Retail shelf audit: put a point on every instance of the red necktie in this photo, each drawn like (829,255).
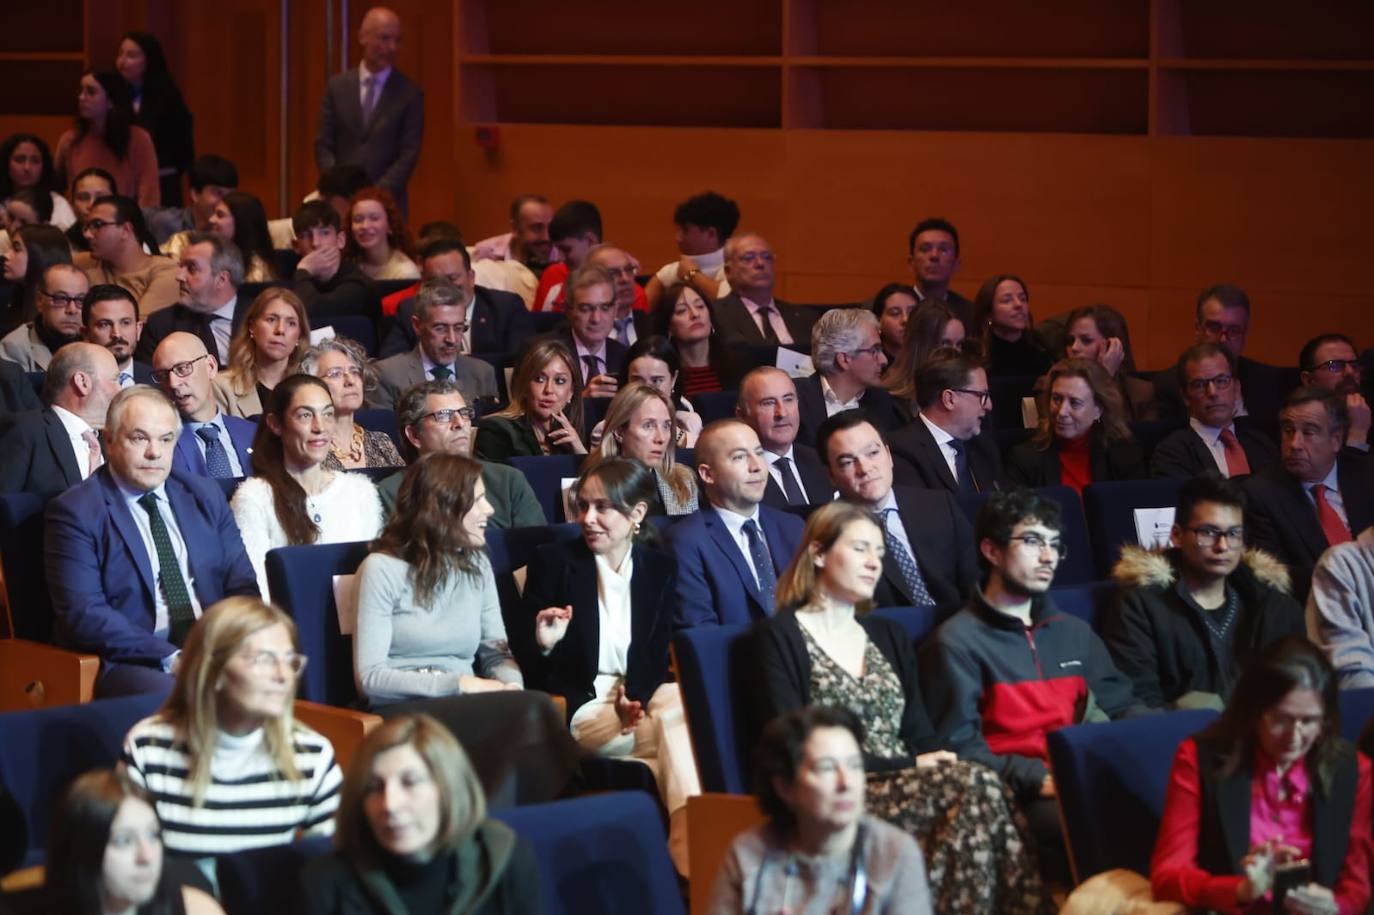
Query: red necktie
(1332,525)
(1236,462)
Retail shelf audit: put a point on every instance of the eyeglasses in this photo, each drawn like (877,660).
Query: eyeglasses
(753,257)
(984,397)
(1037,544)
(62,300)
(335,374)
(875,351)
(95,225)
(271,660)
(1224,331)
(1335,366)
(457,329)
(445,417)
(1207,536)
(1220,382)
(181,370)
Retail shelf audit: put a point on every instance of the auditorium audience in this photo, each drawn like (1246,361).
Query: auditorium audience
(730,553)
(1081,436)
(161,110)
(51,450)
(945,446)
(750,314)
(27,163)
(591,317)
(378,242)
(32,250)
(328,284)
(343,366)
(1217,438)
(930,327)
(1269,783)
(574,230)
(105,136)
(1329,361)
(1099,332)
(928,558)
(1002,319)
(702,223)
(435,419)
(104,854)
(810,784)
(706,362)
(293,496)
(545,413)
(429,618)
(88,186)
(211,444)
(847,349)
(1317,496)
(822,648)
(60,297)
(267,347)
(892,306)
(1187,619)
(640,425)
(228,766)
(1009,667)
(1340,609)
(440,321)
(134,553)
(212,178)
(110,319)
(933,252)
(120,245)
(412,834)
(514,261)
(653,361)
(768,405)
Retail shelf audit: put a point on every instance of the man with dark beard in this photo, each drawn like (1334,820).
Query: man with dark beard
(110,319)
(1330,362)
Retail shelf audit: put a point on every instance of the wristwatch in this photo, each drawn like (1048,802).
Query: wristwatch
(691,273)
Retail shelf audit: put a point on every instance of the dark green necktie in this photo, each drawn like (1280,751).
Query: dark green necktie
(179,612)
(441,372)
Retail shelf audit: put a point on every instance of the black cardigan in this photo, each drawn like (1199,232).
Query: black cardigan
(1026,465)
(785,671)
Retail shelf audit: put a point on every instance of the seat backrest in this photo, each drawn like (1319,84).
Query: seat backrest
(712,665)
(546,321)
(545,473)
(1079,568)
(1007,393)
(380,421)
(917,621)
(1083,601)
(21,557)
(1110,509)
(266,879)
(1111,779)
(512,549)
(714,405)
(606,853)
(1357,708)
(301,579)
(358,328)
(42,750)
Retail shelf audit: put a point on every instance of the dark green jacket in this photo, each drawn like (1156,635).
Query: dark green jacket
(512,500)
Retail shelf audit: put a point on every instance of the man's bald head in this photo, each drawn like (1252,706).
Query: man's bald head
(82,378)
(178,346)
(713,439)
(380,36)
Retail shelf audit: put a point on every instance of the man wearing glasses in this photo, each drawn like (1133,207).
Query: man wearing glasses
(1217,439)
(750,314)
(591,318)
(211,444)
(435,419)
(944,447)
(848,352)
(117,236)
(1331,363)
(58,322)
(1009,667)
(440,323)
(1188,618)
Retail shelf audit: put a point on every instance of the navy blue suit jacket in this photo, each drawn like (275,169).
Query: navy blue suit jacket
(189,459)
(102,579)
(715,585)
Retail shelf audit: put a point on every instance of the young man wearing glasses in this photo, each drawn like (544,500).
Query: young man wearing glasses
(123,252)
(945,447)
(31,346)
(847,348)
(1187,618)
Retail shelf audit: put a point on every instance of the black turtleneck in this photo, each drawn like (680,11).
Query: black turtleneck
(424,888)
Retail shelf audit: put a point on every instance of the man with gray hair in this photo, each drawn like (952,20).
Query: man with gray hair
(440,321)
(209,276)
(847,349)
(749,314)
(135,553)
(55,448)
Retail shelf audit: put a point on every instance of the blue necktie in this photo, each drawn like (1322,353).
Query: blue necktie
(915,584)
(964,481)
(763,565)
(216,461)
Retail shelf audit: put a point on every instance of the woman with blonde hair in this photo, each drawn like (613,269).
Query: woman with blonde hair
(640,424)
(268,346)
(1082,436)
(227,765)
(413,835)
(545,412)
(822,647)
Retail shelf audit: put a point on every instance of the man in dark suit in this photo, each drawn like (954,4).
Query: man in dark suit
(933,252)
(1330,361)
(631,307)
(498,322)
(110,319)
(930,559)
(1318,495)
(211,444)
(439,322)
(945,447)
(137,552)
(374,116)
(210,274)
(730,553)
(749,314)
(16,391)
(591,317)
(329,285)
(796,474)
(53,449)
(1216,439)
(847,348)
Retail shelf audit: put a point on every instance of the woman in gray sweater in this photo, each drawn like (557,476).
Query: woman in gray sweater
(429,621)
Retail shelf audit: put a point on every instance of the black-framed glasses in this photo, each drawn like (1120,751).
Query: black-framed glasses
(1036,544)
(1221,382)
(445,417)
(95,224)
(63,300)
(1207,536)
(984,397)
(875,351)
(181,369)
(1335,366)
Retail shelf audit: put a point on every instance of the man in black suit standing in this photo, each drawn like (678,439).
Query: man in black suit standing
(1318,496)
(768,405)
(374,116)
(209,275)
(749,314)
(53,449)
(930,558)
(944,446)
(847,348)
(933,252)
(110,319)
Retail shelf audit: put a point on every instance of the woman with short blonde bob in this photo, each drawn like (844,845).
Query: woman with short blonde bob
(227,765)
(545,412)
(640,424)
(413,835)
(267,347)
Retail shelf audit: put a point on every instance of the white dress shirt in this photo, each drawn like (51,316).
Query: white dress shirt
(943,439)
(1211,437)
(162,624)
(777,473)
(893,522)
(833,404)
(734,523)
(222,326)
(76,427)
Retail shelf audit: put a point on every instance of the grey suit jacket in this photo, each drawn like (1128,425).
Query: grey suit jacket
(475,378)
(388,146)
(23,347)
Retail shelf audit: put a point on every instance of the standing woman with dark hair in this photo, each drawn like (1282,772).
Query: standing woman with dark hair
(33,249)
(161,110)
(106,137)
(240,218)
(26,161)
(1002,319)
